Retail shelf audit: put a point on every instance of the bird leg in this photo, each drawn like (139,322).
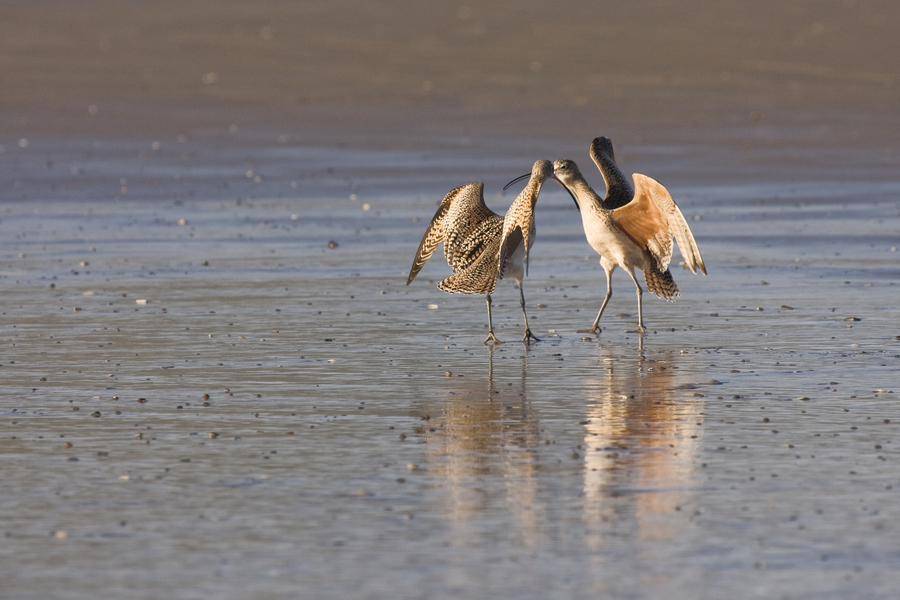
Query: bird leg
(490,337)
(608,268)
(640,327)
(528,334)
(595,327)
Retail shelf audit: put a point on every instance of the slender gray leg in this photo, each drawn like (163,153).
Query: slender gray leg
(640,327)
(528,333)
(608,268)
(490,337)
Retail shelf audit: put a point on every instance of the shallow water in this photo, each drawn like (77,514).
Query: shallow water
(359,440)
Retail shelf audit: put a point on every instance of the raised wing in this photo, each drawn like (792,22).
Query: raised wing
(677,225)
(511,242)
(518,224)
(518,227)
(436,232)
(434,235)
(644,222)
(652,219)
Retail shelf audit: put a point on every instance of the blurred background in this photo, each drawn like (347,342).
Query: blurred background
(404,72)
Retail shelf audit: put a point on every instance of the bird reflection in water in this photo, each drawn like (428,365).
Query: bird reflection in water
(482,448)
(641,433)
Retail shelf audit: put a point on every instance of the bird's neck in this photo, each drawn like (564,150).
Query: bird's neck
(618,189)
(530,193)
(584,192)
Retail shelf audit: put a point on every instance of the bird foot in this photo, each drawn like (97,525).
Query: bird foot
(595,331)
(491,338)
(529,336)
(640,329)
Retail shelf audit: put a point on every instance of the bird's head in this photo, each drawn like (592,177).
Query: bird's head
(602,147)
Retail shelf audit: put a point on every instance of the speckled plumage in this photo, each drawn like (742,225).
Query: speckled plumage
(470,232)
(476,241)
(631,228)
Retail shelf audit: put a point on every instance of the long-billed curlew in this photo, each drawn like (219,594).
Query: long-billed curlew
(480,245)
(630,228)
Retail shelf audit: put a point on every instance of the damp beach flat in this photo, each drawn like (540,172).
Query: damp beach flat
(215,382)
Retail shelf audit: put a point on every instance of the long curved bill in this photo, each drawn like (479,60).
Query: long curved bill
(516,180)
(527,175)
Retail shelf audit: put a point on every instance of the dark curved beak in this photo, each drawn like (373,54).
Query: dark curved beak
(527,175)
(516,180)
(565,187)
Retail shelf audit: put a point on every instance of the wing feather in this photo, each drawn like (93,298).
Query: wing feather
(662,220)
(518,224)
(435,232)
(509,244)
(479,276)
(644,222)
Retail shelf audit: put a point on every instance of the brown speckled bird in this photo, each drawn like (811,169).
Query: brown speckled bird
(630,228)
(475,245)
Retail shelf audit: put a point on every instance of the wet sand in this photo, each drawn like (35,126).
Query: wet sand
(201,398)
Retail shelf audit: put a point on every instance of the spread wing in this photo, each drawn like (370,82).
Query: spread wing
(518,229)
(508,246)
(652,219)
(435,233)
(678,226)
(518,226)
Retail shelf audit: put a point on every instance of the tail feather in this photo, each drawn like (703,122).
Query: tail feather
(468,282)
(660,283)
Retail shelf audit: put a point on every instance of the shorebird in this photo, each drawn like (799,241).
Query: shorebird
(482,246)
(630,228)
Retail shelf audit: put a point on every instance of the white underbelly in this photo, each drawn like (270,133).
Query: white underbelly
(610,242)
(515,264)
